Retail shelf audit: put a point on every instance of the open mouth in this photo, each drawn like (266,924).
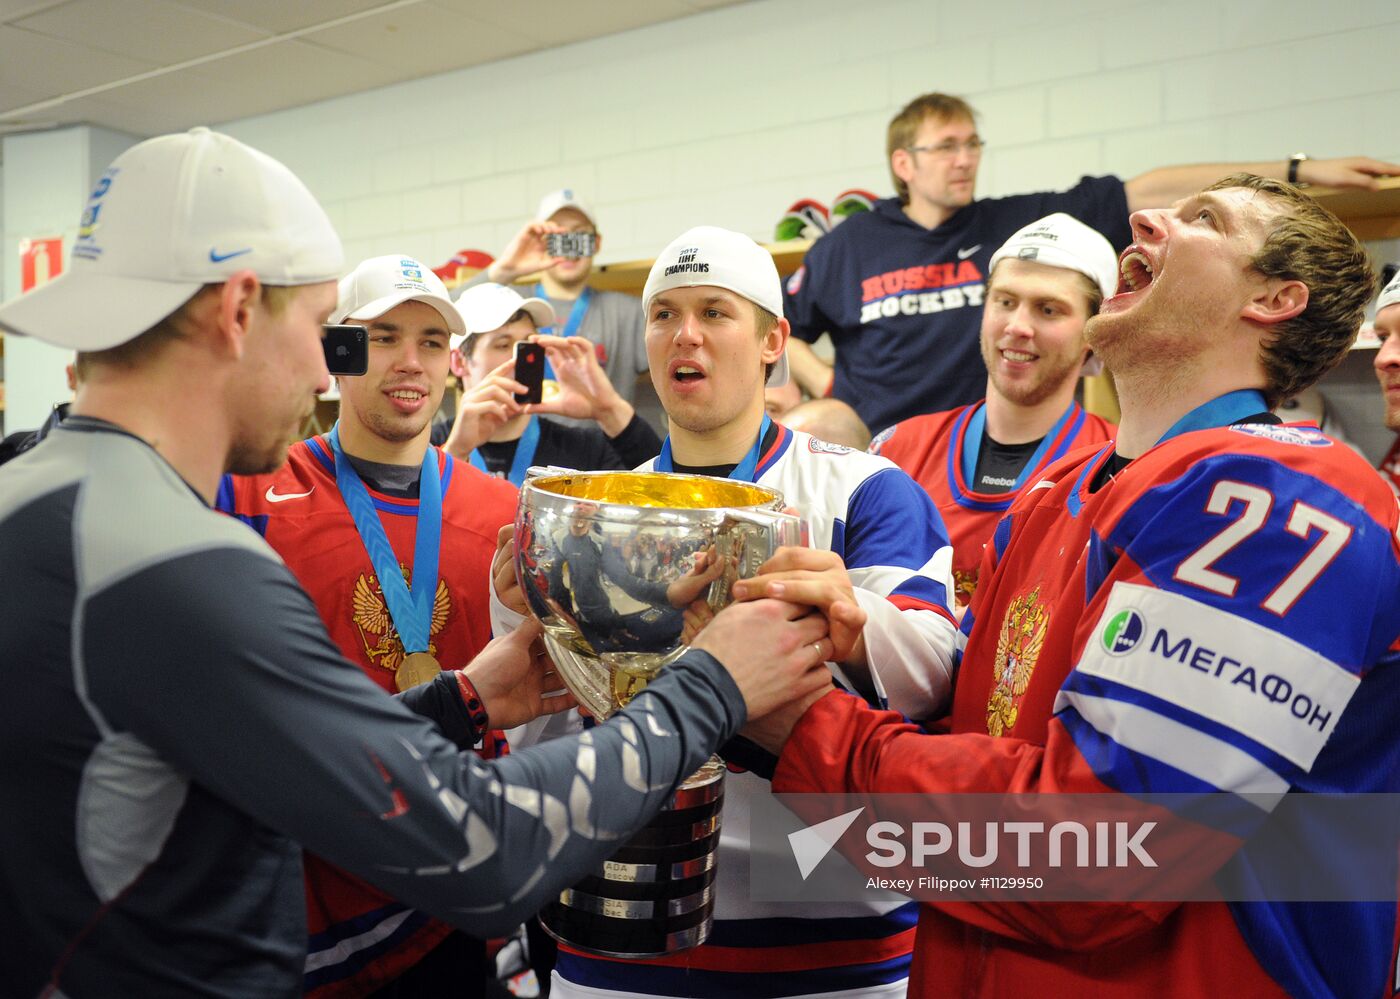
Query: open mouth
(686,374)
(1134,272)
(1018,356)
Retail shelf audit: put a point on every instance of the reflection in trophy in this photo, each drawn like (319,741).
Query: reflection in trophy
(609,562)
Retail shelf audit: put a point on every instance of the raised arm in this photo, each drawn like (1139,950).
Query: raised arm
(1167,185)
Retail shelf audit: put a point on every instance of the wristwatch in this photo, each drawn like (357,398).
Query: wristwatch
(1293,162)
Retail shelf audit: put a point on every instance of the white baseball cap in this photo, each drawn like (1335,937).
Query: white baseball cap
(1390,294)
(169,216)
(563,198)
(708,256)
(383,283)
(489,306)
(1060,240)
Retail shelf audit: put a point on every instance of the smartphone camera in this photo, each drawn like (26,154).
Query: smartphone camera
(346,349)
(529,371)
(571,244)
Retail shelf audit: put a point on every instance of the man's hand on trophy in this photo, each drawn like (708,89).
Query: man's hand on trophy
(817,579)
(516,679)
(503,578)
(775,651)
(772,731)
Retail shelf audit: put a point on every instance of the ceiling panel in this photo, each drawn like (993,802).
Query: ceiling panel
(265,77)
(52,48)
(424,38)
(168,103)
(52,66)
(558,22)
(19,97)
(280,16)
(151,30)
(10,9)
(134,119)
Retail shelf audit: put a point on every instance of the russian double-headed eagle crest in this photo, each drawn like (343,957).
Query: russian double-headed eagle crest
(371,617)
(1018,648)
(964,584)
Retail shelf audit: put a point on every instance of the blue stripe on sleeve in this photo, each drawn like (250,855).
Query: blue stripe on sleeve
(890,520)
(1099,687)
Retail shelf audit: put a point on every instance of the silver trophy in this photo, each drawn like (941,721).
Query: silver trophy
(610,562)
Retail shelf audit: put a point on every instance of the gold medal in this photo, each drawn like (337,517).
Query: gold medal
(549,388)
(416,668)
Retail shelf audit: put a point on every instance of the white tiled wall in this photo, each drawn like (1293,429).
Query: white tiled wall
(729,116)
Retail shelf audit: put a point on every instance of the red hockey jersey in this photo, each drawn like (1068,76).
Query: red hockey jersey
(360,938)
(1120,641)
(939,451)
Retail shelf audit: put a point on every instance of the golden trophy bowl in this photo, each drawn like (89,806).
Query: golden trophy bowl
(607,562)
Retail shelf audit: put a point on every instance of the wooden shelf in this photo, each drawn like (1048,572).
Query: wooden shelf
(630,276)
(1369,214)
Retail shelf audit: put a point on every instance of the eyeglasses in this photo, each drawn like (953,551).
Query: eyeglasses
(949,149)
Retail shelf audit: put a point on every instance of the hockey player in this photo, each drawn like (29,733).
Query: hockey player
(1046,281)
(505,438)
(714,335)
(1270,547)
(899,288)
(361,938)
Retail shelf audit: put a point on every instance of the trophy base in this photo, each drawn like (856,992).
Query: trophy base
(655,896)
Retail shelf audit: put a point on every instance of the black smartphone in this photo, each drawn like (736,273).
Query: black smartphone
(529,371)
(347,349)
(571,244)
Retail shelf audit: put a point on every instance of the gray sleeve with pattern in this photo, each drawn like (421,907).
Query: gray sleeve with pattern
(251,698)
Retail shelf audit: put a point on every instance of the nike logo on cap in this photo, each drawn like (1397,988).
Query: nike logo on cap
(964,254)
(215,257)
(273,497)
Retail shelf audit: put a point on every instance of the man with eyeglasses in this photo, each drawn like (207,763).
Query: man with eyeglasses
(900,288)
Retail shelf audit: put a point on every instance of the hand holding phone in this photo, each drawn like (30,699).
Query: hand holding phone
(529,371)
(346,348)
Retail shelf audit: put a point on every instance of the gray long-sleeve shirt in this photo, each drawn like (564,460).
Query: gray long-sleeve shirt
(177,724)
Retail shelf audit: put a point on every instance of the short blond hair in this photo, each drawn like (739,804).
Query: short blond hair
(904,127)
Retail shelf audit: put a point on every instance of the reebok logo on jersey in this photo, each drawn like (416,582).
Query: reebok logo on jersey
(969,251)
(275,497)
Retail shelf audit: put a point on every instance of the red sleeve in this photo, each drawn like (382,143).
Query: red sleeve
(843,746)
